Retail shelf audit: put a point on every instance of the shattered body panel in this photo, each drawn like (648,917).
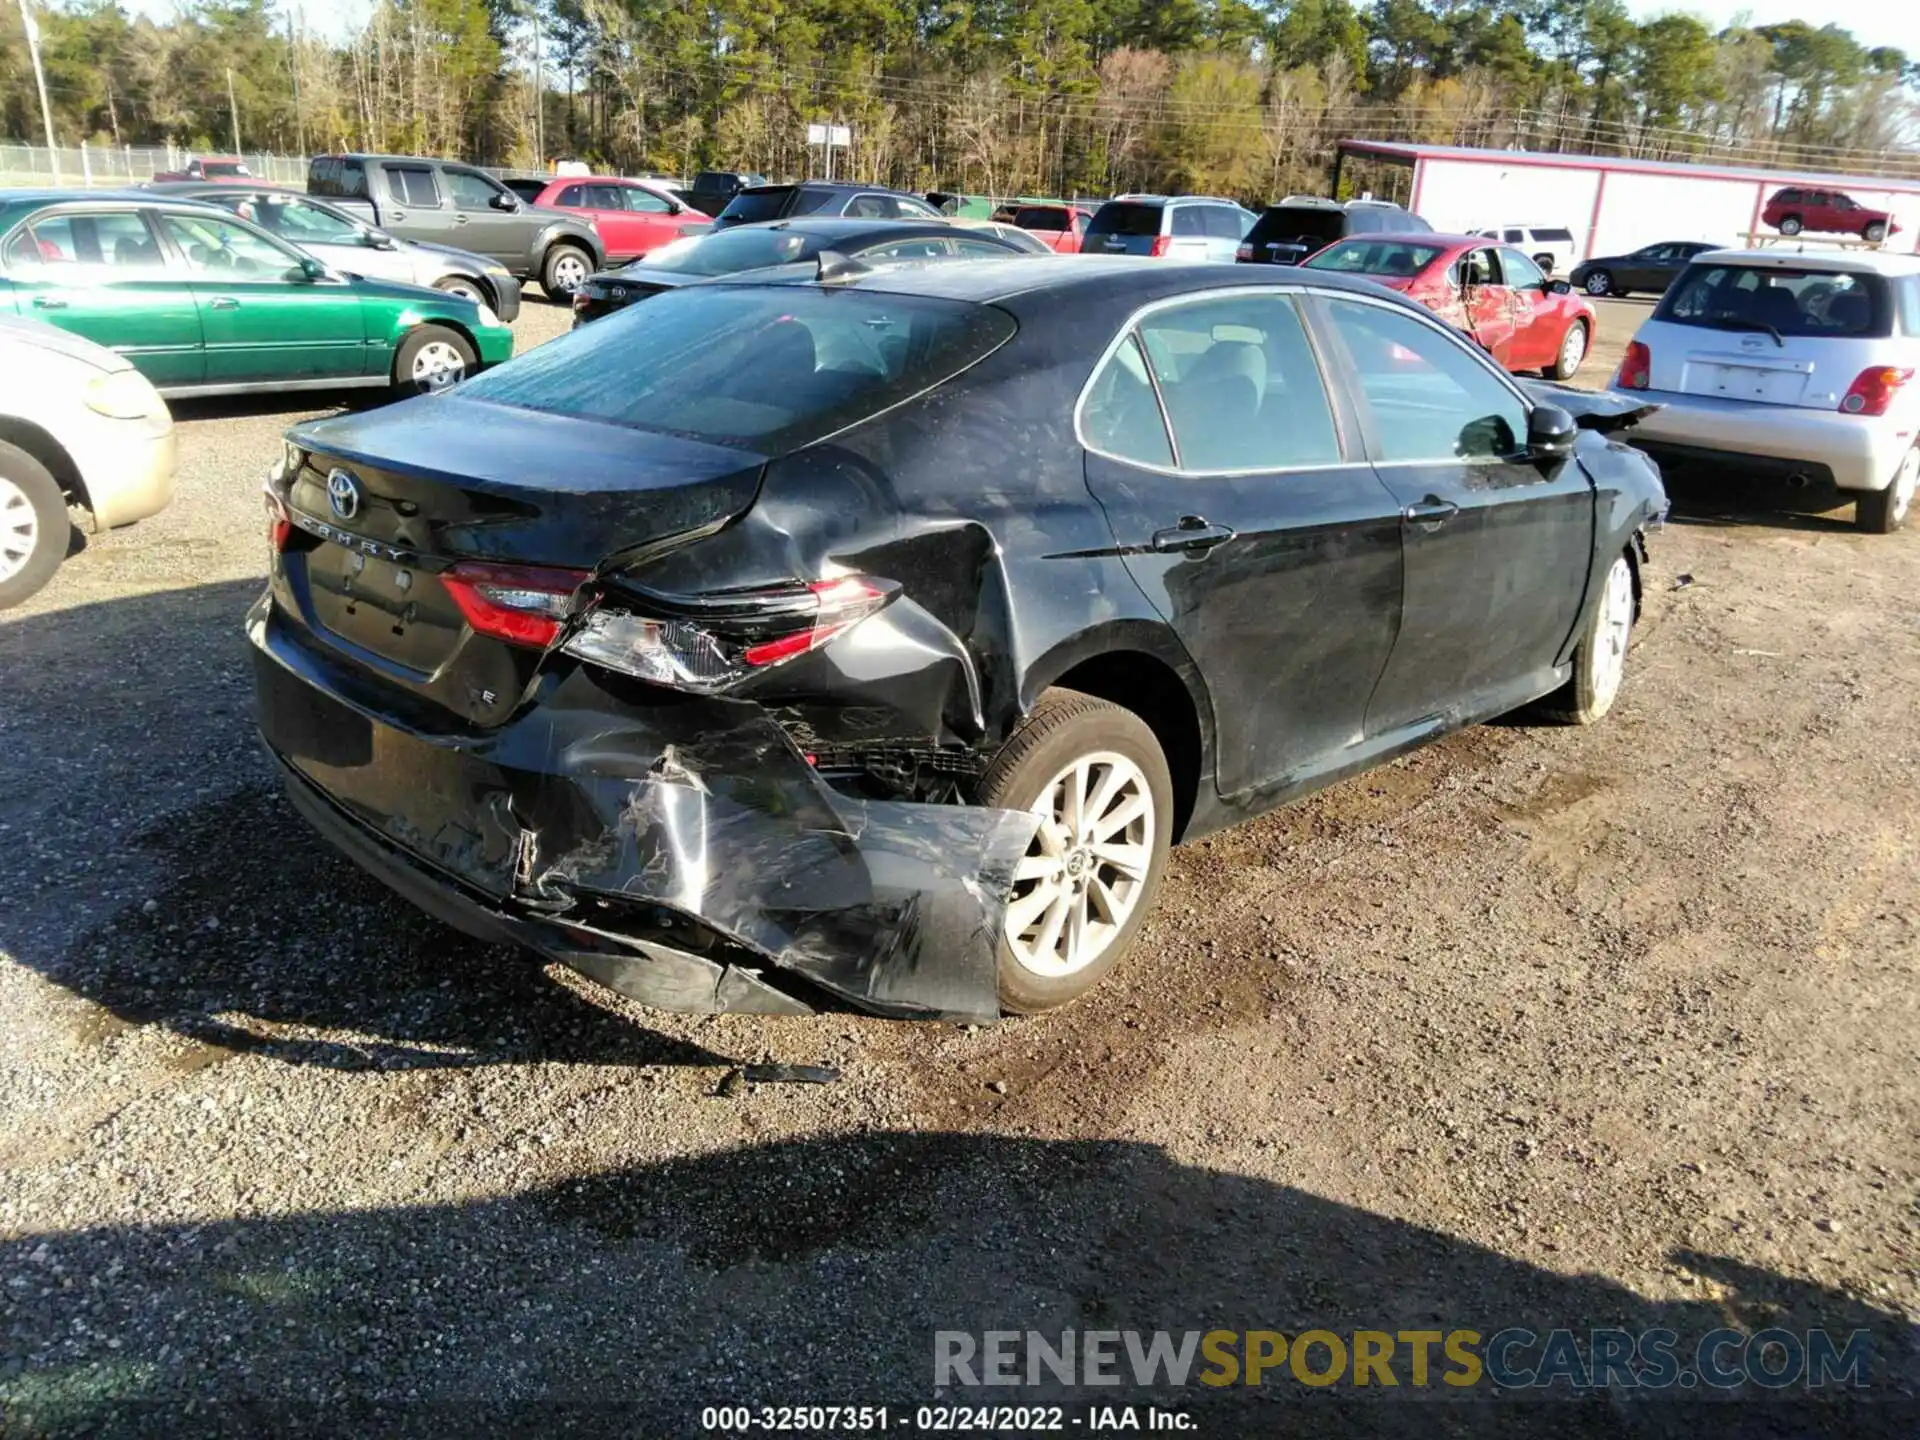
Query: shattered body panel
(570,824)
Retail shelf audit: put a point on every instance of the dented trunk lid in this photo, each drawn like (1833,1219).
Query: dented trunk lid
(386,503)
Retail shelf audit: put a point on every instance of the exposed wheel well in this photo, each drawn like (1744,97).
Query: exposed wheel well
(1150,689)
(27,436)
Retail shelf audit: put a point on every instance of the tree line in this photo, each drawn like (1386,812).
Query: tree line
(1239,97)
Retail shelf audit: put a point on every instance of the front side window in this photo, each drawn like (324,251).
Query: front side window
(908,208)
(574,197)
(764,368)
(1431,398)
(1121,414)
(413,185)
(1521,273)
(1806,301)
(470,190)
(644,202)
(1477,268)
(300,221)
(217,247)
(1241,385)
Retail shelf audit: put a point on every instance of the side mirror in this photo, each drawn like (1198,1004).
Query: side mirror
(504,200)
(1551,432)
(1558,287)
(380,240)
(311,269)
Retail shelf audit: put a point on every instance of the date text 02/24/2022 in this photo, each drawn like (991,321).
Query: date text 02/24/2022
(939,1419)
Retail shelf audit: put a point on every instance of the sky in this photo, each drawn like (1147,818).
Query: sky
(1889,22)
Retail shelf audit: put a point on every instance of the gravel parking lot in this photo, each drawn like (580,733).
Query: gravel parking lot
(1539,1027)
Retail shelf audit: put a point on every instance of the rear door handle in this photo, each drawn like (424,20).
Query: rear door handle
(1431,512)
(49,302)
(1194,535)
(225,302)
(459,219)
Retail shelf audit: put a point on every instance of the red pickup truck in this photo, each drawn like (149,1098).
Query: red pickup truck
(210,167)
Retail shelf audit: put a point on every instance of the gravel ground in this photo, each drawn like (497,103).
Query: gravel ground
(1538,1027)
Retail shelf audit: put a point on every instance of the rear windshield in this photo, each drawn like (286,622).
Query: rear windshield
(1376,257)
(225,169)
(1040,217)
(725,252)
(1124,217)
(1300,224)
(1766,299)
(750,205)
(762,368)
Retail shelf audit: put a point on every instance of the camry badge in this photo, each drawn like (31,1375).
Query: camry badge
(343,493)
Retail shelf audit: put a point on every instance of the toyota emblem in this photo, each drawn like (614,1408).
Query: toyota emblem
(343,493)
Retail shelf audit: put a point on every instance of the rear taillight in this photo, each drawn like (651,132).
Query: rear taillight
(580,299)
(520,604)
(1245,252)
(279,522)
(1162,244)
(1636,368)
(712,643)
(1873,390)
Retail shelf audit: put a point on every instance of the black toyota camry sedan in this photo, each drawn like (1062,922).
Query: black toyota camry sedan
(782,243)
(868,642)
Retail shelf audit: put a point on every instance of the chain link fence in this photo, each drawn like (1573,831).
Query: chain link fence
(102,167)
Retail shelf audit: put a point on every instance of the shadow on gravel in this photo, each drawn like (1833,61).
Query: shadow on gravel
(260,931)
(817,1272)
(1702,498)
(254,930)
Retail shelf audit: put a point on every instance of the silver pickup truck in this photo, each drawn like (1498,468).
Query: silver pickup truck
(442,202)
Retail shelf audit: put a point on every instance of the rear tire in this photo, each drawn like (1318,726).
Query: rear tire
(1600,282)
(1875,232)
(1600,659)
(1545,262)
(1881,512)
(431,359)
(562,270)
(1789,224)
(34,529)
(1088,880)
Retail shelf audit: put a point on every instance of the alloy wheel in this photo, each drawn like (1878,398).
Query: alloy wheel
(568,272)
(1599,283)
(1614,633)
(1086,870)
(436,366)
(19,529)
(1573,349)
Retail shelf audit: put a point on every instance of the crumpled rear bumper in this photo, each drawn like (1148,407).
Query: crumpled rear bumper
(680,851)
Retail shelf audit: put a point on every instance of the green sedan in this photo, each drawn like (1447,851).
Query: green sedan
(204,303)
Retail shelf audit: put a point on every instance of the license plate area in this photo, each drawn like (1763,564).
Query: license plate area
(401,613)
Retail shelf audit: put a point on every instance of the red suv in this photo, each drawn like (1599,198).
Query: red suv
(1059,227)
(1826,212)
(632,216)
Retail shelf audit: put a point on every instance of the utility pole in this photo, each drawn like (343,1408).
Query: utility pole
(233,108)
(40,79)
(293,64)
(539,94)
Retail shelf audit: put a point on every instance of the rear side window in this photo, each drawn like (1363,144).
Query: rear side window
(1040,217)
(1241,386)
(353,179)
(1190,220)
(413,185)
(763,368)
(1224,224)
(1121,414)
(1765,299)
(1553,237)
(814,202)
(1298,225)
(323,174)
(749,206)
(572,195)
(1125,217)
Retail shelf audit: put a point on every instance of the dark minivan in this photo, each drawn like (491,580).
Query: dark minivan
(822,197)
(1301,225)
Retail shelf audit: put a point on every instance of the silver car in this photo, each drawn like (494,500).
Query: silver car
(348,243)
(1178,227)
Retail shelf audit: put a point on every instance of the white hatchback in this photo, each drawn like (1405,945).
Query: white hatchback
(1788,365)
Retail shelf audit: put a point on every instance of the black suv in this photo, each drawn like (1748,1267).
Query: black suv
(823,197)
(712,189)
(1287,233)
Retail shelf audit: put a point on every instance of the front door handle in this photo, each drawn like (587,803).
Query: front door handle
(396,214)
(49,302)
(1194,535)
(225,302)
(459,219)
(1431,512)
